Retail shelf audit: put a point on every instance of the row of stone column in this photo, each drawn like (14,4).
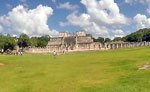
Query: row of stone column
(116,45)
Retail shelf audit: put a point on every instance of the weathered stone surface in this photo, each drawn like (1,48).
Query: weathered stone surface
(66,43)
(81,42)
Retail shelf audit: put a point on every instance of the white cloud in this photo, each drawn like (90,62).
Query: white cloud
(142,21)
(53,1)
(148,10)
(32,22)
(105,12)
(100,16)
(54,33)
(1,29)
(8,6)
(14,35)
(128,1)
(68,6)
(131,1)
(119,33)
(84,21)
(23,1)
(145,2)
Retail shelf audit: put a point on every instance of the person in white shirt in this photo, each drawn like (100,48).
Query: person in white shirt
(54,53)
(2,51)
(21,53)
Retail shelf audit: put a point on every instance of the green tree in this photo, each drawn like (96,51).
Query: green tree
(7,42)
(99,39)
(43,41)
(40,41)
(34,41)
(140,35)
(24,41)
(135,37)
(117,39)
(107,39)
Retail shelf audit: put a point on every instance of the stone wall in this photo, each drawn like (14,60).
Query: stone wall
(116,45)
(60,49)
(88,47)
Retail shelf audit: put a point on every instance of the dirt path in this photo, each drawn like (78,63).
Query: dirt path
(1,64)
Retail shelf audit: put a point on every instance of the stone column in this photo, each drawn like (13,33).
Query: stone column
(125,45)
(113,46)
(120,45)
(110,46)
(117,45)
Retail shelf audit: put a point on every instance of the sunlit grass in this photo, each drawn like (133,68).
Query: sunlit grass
(98,71)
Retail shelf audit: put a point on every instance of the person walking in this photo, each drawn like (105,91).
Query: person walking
(21,53)
(2,51)
(54,53)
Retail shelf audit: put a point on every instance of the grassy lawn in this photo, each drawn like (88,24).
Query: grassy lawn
(98,71)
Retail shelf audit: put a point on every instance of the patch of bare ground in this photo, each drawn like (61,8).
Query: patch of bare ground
(1,64)
(145,67)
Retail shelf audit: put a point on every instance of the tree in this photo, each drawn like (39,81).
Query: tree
(43,41)
(90,35)
(2,41)
(135,37)
(140,35)
(117,39)
(146,35)
(34,41)
(7,42)
(24,41)
(99,39)
(107,39)
(40,41)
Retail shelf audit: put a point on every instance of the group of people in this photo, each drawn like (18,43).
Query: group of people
(10,52)
(55,53)
(2,51)
(18,53)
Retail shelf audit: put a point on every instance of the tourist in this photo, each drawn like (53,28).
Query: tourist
(63,52)
(2,51)
(16,52)
(54,53)
(21,53)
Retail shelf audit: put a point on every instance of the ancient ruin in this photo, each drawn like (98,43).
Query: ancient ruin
(80,42)
(68,43)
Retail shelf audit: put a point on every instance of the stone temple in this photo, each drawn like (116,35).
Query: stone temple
(79,42)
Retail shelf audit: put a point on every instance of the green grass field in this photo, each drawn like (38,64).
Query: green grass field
(98,71)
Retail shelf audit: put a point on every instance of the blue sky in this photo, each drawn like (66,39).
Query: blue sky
(74,15)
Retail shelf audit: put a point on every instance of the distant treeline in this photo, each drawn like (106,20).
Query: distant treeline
(8,42)
(139,36)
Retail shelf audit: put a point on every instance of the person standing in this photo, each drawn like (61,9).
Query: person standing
(54,53)
(21,53)
(2,51)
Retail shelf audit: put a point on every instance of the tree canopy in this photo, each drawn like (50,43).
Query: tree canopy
(107,39)
(7,42)
(140,35)
(24,41)
(99,39)
(40,41)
